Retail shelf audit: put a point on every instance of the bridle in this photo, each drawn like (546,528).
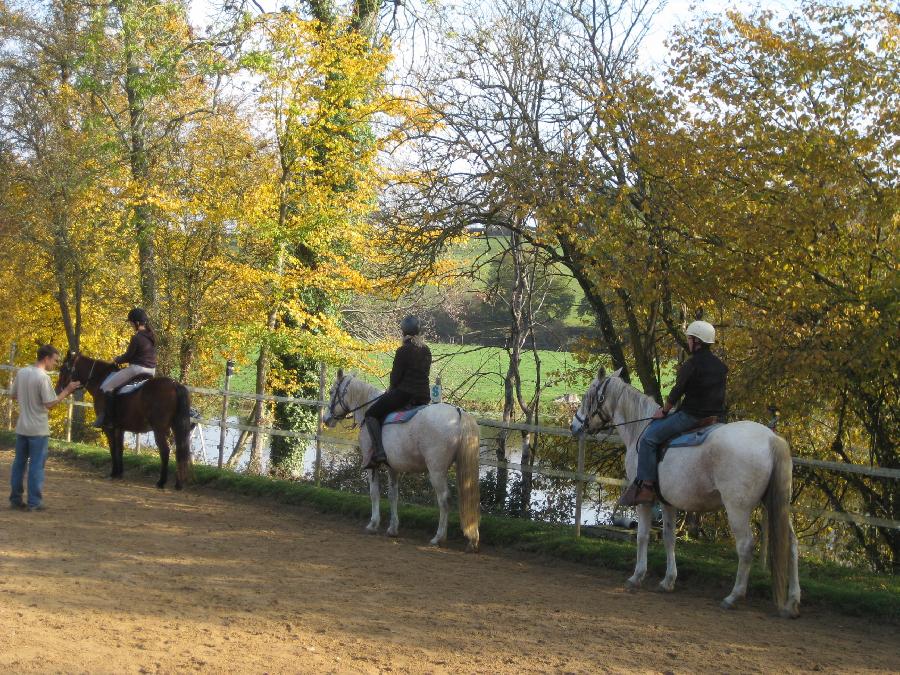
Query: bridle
(90,373)
(595,407)
(338,398)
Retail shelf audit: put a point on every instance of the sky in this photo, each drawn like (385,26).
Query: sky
(674,13)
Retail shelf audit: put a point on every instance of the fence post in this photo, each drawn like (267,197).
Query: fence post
(9,403)
(318,469)
(229,370)
(579,486)
(437,394)
(70,409)
(137,443)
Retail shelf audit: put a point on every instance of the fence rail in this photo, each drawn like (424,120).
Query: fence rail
(580,476)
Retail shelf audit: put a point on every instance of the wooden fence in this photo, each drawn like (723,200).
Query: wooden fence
(580,477)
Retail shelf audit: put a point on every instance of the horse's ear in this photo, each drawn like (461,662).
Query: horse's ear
(618,373)
(601,373)
(340,374)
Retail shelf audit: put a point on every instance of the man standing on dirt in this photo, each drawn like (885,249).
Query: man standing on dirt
(34,392)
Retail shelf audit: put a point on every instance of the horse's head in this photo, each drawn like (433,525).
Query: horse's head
(595,412)
(338,407)
(66,371)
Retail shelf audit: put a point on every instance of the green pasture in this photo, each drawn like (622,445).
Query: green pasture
(703,566)
(472,375)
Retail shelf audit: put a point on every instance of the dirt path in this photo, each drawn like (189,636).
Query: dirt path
(120,577)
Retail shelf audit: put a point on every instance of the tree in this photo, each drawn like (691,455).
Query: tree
(789,199)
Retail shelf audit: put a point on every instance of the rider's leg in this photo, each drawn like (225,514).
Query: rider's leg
(657,433)
(391,400)
(373,426)
(109,386)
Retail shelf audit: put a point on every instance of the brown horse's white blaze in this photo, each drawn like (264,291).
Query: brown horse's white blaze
(737,467)
(161,405)
(431,441)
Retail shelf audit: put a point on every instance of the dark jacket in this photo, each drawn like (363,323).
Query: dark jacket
(701,381)
(412,370)
(141,351)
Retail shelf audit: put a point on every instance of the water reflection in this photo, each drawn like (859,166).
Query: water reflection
(552,499)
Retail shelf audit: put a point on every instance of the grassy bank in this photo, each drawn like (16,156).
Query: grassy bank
(708,566)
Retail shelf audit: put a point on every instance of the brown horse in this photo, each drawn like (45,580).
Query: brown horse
(159,405)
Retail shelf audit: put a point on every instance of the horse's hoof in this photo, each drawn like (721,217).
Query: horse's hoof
(391,533)
(666,588)
(371,530)
(178,486)
(472,547)
(436,542)
(727,604)
(791,612)
(631,586)
(160,486)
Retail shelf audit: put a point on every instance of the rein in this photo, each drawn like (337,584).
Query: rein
(607,422)
(339,398)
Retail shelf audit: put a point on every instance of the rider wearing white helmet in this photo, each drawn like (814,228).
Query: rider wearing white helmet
(700,386)
(410,385)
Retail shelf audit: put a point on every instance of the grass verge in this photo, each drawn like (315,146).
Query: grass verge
(850,591)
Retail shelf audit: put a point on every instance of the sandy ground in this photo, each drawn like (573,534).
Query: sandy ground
(121,577)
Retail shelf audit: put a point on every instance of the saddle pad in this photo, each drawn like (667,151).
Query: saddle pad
(132,386)
(693,437)
(405,415)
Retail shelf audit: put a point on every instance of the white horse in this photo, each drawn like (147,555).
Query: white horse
(737,466)
(431,441)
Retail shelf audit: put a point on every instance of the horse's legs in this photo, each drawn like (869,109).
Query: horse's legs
(644,514)
(668,514)
(442,492)
(119,445)
(793,604)
(739,519)
(111,442)
(163,444)
(375,494)
(393,498)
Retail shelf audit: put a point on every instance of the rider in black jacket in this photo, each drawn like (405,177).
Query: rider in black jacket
(410,384)
(700,386)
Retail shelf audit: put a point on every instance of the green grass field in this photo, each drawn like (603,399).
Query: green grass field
(473,376)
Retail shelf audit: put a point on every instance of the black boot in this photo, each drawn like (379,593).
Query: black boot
(106,418)
(378,456)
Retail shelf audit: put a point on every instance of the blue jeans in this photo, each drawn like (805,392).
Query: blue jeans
(656,434)
(30,451)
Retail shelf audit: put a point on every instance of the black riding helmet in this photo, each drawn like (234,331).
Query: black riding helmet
(138,315)
(410,325)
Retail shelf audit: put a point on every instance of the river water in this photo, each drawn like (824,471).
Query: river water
(552,499)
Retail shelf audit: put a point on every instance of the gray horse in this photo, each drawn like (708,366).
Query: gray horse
(737,466)
(431,441)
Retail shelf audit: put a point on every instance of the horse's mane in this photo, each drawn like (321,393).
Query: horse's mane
(632,400)
(360,384)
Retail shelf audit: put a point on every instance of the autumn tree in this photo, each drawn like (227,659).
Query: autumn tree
(785,190)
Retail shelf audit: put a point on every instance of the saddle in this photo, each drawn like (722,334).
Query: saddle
(691,437)
(404,414)
(133,384)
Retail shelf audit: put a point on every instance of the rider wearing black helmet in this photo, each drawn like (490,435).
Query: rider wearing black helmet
(140,357)
(410,384)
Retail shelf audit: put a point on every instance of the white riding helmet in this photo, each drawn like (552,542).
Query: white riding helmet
(703,331)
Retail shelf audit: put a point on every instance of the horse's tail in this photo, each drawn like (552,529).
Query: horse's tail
(181,427)
(778,506)
(467,479)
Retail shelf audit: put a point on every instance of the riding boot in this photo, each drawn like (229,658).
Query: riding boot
(638,493)
(378,456)
(100,422)
(109,410)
